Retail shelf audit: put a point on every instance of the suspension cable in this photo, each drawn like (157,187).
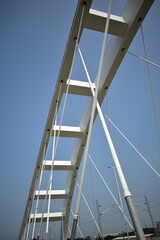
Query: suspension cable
(108,137)
(70,74)
(143,59)
(89,209)
(50,181)
(45,150)
(63,110)
(122,210)
(27,228)
(39,186)
(132,146)
(114,168)
(109,114)
(92,90)
(90,126)
(52,165)
(150,81)
(55,117)
(92,190)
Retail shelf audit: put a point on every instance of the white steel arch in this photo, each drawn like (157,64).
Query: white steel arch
(123,29)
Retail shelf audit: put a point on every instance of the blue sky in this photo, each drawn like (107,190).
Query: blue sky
(32,43)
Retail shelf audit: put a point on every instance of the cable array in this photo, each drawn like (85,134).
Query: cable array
(30,228)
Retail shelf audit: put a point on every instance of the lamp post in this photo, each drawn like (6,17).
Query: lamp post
(150,214)
(119,195)
(98,215)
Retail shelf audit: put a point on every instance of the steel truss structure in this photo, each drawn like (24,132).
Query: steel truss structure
(123,28)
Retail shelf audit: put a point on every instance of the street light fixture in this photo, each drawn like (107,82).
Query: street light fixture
(119,195)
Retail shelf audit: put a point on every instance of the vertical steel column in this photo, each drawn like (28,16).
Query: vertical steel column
(150,214)
(98,215)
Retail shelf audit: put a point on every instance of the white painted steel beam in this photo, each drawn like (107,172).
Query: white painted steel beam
(67,131)
(55,194)
(134,13)
(58,165)
(96,21)
(56,216)
(80,87)
(62,79)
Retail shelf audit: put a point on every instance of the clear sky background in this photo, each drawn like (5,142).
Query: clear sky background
(32,43)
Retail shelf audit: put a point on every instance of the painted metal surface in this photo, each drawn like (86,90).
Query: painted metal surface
(133,14)
(58,165)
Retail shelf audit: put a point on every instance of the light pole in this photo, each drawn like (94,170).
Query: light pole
(99,218)
(99,214)
(119,195)
(150,214)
